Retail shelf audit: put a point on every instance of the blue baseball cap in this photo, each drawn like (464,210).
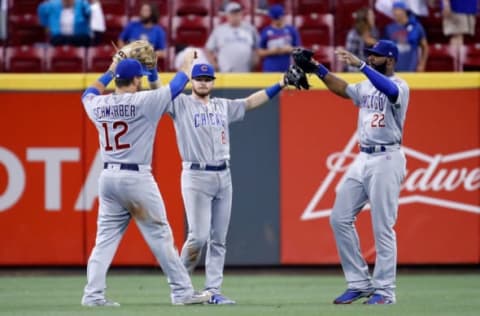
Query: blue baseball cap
(400,5)
(129,68)
(276,11)
(383,48)
(203,70)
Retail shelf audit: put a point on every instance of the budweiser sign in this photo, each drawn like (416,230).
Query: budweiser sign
(420,185)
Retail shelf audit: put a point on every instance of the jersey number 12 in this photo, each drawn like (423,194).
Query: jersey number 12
(122,128)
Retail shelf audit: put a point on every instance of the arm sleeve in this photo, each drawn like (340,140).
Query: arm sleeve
(177,84)
(382,83)
(236,109)
(211,44)
(90,91)
(403,95)
(124,36)
(43,10)
(296,41)
(155,102)
(353,91)
(159,39)
(263,39)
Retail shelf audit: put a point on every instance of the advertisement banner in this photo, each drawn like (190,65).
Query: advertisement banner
(438,220)
(49,167)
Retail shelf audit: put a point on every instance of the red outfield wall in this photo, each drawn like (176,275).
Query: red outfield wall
(438,220)
(48,182)
(49,168)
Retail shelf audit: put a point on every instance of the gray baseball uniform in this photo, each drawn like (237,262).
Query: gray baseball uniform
(234,46)
(375,176)
(203,141)
(126,125)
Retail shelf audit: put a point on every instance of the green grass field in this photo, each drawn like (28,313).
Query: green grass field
(256,294)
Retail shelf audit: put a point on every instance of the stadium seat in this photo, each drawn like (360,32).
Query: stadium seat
(24,29)
(24,59)
(324,55)
(471,60)
(115,24)
(65,59)
(162,5)
(99,58)
(315,28)
(23,6)
(191,29)
(117,7)
(304,7)
(343,11)
(188,7)
(440,58)
(433,27)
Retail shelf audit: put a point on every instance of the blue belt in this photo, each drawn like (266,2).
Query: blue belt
(373,149)
(124,166)
(197,166)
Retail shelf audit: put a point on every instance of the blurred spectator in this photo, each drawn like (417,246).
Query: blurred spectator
(277,40)
(3,19)
(231,45)
(409,35)
(458,20)
(363,35)
(146,28)
(97,22)
(67,21)
(417,7)
(180,51)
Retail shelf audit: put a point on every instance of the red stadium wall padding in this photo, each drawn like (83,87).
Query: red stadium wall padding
(438,219)
(49,168)
(48,178)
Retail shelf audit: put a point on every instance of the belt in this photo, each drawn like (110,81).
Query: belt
(197,166)
(123,166)
(376,148)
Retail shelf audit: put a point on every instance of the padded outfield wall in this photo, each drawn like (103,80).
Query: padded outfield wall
(287,159)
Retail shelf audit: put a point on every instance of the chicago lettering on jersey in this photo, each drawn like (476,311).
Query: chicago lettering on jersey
(375,102)
(209,119)
(125,111)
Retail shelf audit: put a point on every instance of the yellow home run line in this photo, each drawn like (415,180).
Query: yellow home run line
(62,82)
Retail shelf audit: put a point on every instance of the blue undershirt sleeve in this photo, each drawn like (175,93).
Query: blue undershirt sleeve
(381,82)
(177,84)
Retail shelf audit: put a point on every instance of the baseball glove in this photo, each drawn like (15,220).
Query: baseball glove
(140,50)
(303,58)
(296,77)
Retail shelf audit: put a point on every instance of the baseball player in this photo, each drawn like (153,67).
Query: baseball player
(201,125)
(376,174)
(126,122)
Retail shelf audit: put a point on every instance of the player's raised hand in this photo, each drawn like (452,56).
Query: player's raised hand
(190,56)
(347,57)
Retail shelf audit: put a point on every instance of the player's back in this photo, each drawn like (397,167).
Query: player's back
(127,123)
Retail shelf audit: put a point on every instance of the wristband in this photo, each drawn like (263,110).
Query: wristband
(153,76)
(322,71)
(362,65)
(106,78)
(273,90)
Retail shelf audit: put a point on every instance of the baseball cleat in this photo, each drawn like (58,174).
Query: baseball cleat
(378,299)
(101,302)
(219,299)
(350,296)
(196,298)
